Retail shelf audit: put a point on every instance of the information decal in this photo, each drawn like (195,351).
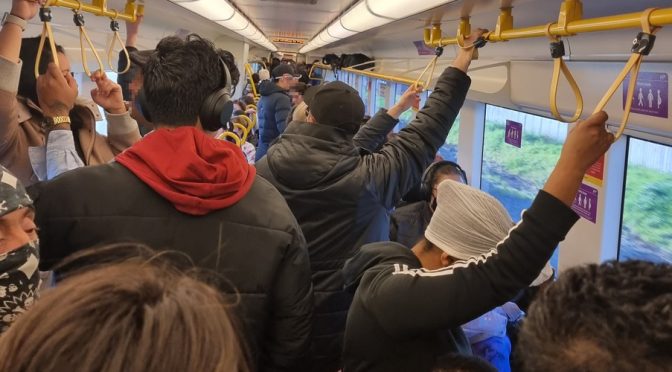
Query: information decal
(513,133)
(651,94)
(585,203)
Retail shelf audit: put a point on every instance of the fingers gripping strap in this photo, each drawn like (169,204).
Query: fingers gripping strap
(631,67)
(45,17)
(559,65)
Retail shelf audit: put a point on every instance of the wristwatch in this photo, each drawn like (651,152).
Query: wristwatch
(50,122)
(10,18)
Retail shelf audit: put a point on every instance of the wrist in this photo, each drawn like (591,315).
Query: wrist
(55,113)
(117,110)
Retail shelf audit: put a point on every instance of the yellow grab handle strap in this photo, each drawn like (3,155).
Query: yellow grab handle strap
(45,17)
(114,26)
(231,135)
(559,65)
(244,129)
(83,35)
(632,68)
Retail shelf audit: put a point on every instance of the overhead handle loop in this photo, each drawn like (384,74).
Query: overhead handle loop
(78,19)
(559,65)
(45,17)
(231,135)
(642,46)
(116,38)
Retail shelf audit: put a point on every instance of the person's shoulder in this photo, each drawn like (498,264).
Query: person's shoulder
(87,178)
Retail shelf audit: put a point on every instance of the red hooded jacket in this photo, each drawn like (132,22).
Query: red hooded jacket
(195,172)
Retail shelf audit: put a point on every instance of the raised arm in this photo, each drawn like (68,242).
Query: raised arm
(132,31)
(122,130)
(10,71)
(373,135)
(399,165)
(468,289)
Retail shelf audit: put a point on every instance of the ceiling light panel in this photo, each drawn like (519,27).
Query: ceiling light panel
(226,15)
(398,9)
(360,19)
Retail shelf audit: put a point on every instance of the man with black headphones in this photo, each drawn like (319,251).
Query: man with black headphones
(408,222)
(180,189)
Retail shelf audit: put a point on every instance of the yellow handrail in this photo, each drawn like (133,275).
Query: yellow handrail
(659,17)
(395,79)
(99,8)
(247,120)
(248,70)
(243,128)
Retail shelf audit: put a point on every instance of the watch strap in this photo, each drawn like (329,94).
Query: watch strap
(56,120)
(10,18)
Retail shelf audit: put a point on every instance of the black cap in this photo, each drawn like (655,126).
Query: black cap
(337,104)
(140,57)
(283,68)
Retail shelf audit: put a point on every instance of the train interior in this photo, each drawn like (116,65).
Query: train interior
(506,137)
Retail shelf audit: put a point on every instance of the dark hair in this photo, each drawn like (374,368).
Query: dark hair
(230,62)
(178,77)
(447,169)
(255,78)
(299,88)
(616,316)
(132,315)
(28,55)
(462,363)
(247,100)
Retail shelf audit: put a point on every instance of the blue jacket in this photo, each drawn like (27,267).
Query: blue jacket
(274,106)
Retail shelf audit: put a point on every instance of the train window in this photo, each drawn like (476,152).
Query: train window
(646,229)
(381,93)
(511,140)
(364,89)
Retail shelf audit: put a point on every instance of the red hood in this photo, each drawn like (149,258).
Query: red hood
(195,172)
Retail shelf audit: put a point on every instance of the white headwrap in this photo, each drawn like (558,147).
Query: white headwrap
(467,222)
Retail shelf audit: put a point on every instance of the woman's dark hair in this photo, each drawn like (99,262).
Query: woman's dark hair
(28,54)
(136,314)
(247,100)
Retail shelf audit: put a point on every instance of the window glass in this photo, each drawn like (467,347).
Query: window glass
(364,90)
(381,96)
(449,150)
(646,228)
(515,174)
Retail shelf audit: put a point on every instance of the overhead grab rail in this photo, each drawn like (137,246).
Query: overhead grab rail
(78,19)
(312,69)
(97,7)
(658,18)
(642,46)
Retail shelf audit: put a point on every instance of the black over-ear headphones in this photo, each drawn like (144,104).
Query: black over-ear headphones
(427,177)
(215,110)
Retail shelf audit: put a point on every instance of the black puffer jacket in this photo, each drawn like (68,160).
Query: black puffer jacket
(405,318)
(255,244)
(342,196)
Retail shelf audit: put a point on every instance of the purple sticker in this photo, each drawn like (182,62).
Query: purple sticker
(514,133)
(585,203)
(423,49)
(651,94)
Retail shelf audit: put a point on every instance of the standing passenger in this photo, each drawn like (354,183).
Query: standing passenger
(138,315)
(341,197)
(37,113)
(180,189)
(19,252)
(409,304)
(274,106)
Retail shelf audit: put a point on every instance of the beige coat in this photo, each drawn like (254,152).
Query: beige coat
(20,128)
